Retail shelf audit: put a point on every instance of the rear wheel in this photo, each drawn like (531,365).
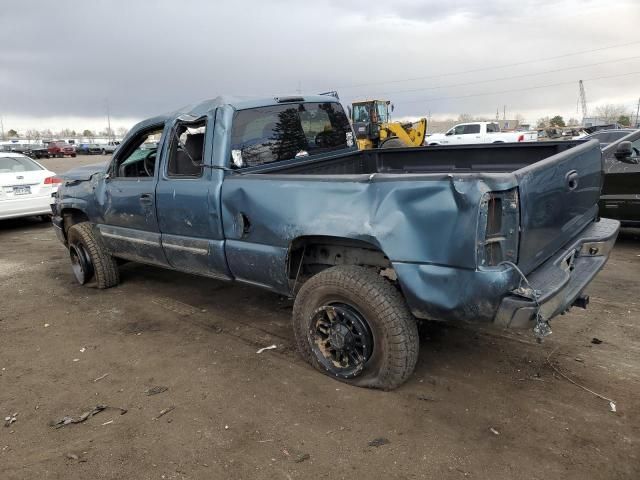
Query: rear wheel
(90,260)
(393,142)
(354,325)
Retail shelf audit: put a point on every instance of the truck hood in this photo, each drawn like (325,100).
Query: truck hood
(85,172)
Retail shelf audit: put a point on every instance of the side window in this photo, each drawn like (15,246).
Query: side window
(283,132)
(138,157)
(492,128)
(459,130)
(186,154)
(472,128)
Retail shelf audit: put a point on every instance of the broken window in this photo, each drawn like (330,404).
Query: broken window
(186,155)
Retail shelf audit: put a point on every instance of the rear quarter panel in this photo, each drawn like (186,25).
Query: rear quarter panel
(411,218)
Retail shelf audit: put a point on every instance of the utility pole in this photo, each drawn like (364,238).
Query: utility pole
(637,112)
(2,126)
(582,98)
(504,112)
(108,123)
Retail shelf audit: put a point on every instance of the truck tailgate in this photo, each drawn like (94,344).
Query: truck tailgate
(558,198)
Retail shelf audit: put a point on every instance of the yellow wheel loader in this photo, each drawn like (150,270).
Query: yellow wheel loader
(373,129)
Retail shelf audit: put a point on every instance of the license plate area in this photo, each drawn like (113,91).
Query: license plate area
(22,190)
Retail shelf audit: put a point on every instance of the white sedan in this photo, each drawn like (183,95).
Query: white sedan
(26,187)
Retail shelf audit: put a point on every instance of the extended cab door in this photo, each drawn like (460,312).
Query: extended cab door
(188,200)
(126,199)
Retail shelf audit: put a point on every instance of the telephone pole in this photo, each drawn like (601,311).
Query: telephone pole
(582,99)
(637,112)
(108,122)
(2,126)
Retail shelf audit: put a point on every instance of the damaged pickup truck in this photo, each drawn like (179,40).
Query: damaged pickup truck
(274,193)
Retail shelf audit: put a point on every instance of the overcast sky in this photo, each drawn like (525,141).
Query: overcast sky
(61,60)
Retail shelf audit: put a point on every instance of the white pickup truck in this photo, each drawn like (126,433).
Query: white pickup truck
(478,132)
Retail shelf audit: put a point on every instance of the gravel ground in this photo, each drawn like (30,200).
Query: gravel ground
(482,404)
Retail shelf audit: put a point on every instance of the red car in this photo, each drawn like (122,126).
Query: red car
(60,149)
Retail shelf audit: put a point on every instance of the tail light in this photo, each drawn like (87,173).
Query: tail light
(521,138)
(52,180)
(498,228)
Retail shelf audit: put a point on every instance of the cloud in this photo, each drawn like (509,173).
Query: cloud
(66,59)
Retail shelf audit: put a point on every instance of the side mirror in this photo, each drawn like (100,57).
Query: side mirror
(450,132)
(392,107)
(350,112)
(624,151)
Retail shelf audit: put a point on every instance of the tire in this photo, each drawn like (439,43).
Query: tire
(90,260)
(73,155)
(393,142)
(357,295)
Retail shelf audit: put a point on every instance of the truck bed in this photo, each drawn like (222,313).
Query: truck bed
(490,158)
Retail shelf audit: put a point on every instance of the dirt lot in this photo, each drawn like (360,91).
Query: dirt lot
(482,404)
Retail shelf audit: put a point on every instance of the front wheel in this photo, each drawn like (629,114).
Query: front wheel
(354,325)
(90,260)
(393,142)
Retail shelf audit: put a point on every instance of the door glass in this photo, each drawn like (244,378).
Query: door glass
(361,113)
(383,112)
(472,128)
(138,158)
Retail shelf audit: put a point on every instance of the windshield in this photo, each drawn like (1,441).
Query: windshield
(283,132)
(17,164)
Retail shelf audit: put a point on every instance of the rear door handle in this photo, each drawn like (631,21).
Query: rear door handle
(146,199)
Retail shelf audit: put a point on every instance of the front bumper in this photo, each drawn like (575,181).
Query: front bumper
(560,280)
(58,227)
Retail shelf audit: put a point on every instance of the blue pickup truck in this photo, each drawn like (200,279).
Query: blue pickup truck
(274,193)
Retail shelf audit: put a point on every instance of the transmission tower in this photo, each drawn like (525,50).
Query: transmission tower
(582,99)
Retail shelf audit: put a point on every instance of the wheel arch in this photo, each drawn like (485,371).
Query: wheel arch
(71,216)
(310,254)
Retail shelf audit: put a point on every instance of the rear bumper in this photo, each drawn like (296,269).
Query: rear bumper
(25,207)
(443,293)
(561,279)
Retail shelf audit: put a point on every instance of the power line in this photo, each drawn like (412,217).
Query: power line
(575,67)
(483,69)
(434,99)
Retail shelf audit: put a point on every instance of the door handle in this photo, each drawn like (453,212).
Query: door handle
(146,199)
